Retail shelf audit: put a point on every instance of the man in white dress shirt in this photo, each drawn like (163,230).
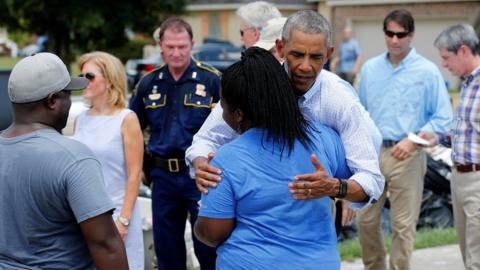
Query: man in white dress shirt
(306,47)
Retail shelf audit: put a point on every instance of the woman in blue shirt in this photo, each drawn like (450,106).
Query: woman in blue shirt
(251,215)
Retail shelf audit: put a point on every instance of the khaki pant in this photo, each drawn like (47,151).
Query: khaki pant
(404,184)
(466,211)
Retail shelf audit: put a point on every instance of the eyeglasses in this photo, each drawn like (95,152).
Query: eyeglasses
(399,35)
(242,31)
(89,76)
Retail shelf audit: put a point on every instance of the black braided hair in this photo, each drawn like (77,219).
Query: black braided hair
(259,86)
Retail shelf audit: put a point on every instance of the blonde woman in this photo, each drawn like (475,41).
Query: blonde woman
(113,133)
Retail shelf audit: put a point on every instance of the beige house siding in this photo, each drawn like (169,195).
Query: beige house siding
(200,15)
(430,18)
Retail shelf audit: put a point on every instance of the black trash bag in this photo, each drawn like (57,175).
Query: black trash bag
(437,178)
(436,211)
(350,231)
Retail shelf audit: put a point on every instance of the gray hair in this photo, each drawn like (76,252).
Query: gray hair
(457,35)
(309,22)
(257,14)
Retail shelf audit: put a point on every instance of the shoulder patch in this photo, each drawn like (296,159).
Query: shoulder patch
(208,67)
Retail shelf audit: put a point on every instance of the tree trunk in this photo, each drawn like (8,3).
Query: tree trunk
(59,43)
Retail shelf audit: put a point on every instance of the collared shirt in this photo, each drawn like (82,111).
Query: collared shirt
(175,110)
(409,98)
(466,128)
(327,104)
(349,51)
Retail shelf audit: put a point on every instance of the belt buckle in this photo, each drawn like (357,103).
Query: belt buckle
(175,162)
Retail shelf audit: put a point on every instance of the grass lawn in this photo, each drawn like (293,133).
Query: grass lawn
(8,62)
(350,249)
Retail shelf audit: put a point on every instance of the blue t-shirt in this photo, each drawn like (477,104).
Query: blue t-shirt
(273,229)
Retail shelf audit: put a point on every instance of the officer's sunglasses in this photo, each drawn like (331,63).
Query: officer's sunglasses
(89,75)
(399,35)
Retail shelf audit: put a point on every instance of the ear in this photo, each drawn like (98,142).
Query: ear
(239,121)
(330,52)
(238,116)
(51,101)
(463,50)
(256,32)
(279,46)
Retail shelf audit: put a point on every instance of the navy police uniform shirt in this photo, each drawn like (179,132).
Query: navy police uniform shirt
(175,110)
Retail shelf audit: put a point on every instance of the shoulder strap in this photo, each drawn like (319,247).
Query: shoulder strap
(208,67)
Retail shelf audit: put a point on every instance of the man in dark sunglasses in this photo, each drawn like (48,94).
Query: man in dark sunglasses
(404,93)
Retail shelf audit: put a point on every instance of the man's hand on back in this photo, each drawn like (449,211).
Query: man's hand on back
(206,175)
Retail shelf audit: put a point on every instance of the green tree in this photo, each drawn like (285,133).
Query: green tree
(86,24)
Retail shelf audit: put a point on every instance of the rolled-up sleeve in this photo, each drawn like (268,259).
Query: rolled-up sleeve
(362,158)
(345,114)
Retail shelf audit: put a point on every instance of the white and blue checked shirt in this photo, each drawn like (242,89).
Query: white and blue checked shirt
(466,123)
(330,102)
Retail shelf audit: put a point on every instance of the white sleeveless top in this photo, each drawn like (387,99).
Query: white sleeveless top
(103,135)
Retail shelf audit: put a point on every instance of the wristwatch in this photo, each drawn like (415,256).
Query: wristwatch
(342,192)
(125,221)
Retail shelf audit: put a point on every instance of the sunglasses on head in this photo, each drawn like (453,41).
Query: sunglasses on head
(399,35)
(89,75)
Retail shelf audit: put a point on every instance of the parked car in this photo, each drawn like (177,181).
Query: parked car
(5,105)
(218,54)
(136,68)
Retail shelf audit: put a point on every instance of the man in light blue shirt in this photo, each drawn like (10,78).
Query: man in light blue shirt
(348,60)
(404,93)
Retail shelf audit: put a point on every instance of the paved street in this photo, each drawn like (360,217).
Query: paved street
(438,258)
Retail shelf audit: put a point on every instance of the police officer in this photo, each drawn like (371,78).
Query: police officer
(174,100)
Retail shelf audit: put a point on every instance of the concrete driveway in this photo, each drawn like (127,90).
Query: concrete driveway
(438,258)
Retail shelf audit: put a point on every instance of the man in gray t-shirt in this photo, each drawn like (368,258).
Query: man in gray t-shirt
(54,211)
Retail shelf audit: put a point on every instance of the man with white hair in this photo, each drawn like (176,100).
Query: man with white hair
(253,18)
(270,34)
